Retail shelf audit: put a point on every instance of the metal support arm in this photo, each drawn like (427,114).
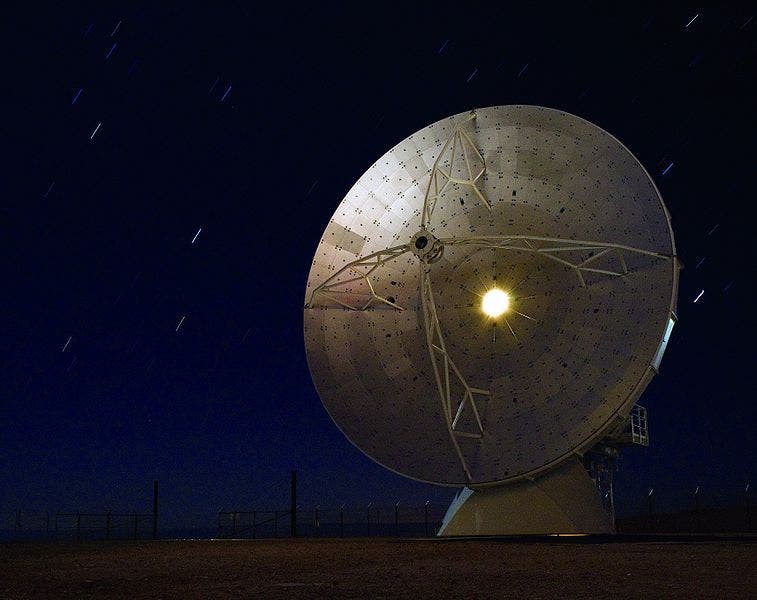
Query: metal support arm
(552,247)
(445,369)
(362,268)
(459,143)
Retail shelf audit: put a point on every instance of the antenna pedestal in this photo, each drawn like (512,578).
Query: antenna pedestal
(564,500)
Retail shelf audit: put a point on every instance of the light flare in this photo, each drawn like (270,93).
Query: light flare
(495,303)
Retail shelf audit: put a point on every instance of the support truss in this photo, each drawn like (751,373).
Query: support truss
(552,248)
(341,292)
(459,148)
(445,370)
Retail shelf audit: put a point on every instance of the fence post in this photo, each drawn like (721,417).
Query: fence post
(748,509)
(234,524)
(341,521)
(650,508)
(397,519)
(78,525)
(425,516)
(254,523)
(136,526)
(697,519)
(368,515)
(317,523)
(276,524)
(155,509)
(107,525)
(293,506)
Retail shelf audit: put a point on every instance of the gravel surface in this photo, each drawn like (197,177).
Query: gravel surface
(377,568)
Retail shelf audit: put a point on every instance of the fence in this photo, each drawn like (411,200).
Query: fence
(700,509)
(659,509)
(85,525)
(369,521)
(82,525)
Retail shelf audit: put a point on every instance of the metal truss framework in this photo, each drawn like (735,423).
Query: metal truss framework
(459,141)
(555,249)
(552,247)
(444,370)
(362,268)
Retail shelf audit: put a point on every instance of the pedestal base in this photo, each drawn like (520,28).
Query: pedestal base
(564,500)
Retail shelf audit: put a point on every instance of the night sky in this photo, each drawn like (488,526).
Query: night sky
(134,348)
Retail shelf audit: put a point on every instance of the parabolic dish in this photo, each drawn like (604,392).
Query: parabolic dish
(535,202)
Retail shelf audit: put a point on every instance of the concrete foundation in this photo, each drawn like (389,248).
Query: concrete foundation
(564,500)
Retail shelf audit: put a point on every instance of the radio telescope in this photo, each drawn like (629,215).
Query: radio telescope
(486,306)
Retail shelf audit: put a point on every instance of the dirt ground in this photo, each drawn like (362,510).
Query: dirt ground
(377,568)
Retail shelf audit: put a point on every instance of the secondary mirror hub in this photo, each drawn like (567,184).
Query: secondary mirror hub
(426,246)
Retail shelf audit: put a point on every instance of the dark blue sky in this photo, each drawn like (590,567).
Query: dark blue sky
(252,124)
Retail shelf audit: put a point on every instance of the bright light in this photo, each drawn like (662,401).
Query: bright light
(495,302)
